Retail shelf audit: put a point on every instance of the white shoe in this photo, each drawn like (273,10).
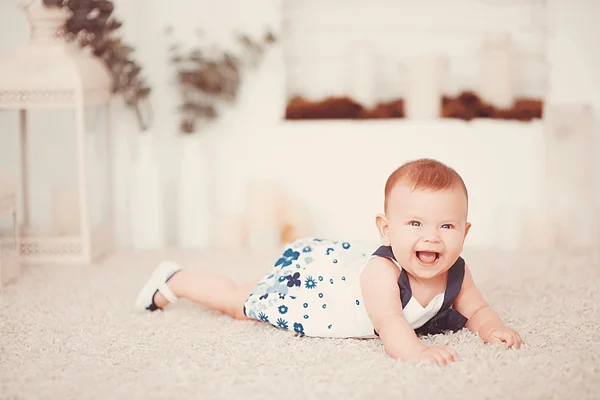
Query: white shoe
(157,283)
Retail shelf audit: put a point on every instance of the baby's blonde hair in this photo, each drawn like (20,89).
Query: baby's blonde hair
(424,174)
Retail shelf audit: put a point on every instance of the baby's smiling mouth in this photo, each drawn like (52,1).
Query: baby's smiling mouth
(428,257)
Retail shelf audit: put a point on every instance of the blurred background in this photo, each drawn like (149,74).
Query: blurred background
(247,124)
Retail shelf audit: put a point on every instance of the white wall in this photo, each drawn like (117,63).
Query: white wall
(574,59)
(322,35)
(339,169)
(252,139)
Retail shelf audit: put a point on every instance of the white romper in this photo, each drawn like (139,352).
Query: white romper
(314,290)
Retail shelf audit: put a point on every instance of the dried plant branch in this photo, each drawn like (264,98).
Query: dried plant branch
(207,80)
(94,27)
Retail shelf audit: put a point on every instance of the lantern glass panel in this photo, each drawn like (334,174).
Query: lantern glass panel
(98,173)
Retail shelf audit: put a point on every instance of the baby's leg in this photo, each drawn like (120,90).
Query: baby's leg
(211,290)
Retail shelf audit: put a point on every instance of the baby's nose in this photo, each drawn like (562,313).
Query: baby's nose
(431,237)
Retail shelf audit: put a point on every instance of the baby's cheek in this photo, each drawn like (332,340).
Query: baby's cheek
(451,235)
(453,242)
(398,239)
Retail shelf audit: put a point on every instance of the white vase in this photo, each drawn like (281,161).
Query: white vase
(195,208)
(145,197)
(424,87)
(362,64)
(496,85)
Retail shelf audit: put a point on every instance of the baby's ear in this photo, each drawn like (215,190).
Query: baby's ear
(467,228)
(383,228)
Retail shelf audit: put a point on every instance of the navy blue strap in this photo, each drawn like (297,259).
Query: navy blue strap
(456,274)
(385,251)
(405,290)
(447,318)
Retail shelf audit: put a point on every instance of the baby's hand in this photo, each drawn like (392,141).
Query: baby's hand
(440,355)
(505,335)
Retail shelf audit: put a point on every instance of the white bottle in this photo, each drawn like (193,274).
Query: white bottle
(194,196)
(145,200)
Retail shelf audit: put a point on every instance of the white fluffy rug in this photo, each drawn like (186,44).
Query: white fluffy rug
(70,333)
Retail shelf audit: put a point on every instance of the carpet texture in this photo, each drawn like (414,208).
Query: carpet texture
(70,333)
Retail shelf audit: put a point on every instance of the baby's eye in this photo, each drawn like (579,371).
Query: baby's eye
(415,223)
(447,226)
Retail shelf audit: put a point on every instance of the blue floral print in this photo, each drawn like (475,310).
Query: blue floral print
(282,323)
(263,317)
(293,280)
(298,328)
(288,258)
(310,283)
(288,289)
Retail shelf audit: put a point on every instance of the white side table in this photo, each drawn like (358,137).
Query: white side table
(10,267)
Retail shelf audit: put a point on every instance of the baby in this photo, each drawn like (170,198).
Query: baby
(415,283)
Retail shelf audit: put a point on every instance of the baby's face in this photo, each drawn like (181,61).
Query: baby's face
(427,229)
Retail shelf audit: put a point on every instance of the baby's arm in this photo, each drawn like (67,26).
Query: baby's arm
(482,319)
(381,295)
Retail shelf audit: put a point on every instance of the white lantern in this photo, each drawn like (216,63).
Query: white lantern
(64,181)
(9,233)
